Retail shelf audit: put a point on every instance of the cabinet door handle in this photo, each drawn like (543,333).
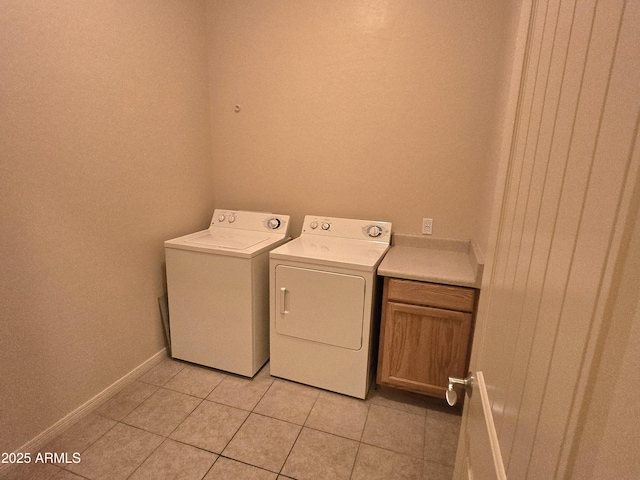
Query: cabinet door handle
(283,299)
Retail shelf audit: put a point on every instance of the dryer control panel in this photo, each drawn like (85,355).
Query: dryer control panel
(368,230)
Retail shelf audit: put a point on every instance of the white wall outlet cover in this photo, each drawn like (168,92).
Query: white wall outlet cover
(427,226)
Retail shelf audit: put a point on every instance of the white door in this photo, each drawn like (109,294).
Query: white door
(560,237)
(482,459)
(321,306)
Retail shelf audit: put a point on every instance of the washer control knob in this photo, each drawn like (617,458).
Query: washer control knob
(313,225)
(273,223)
(221,217)
(374,231)
(232,218)
(325,225)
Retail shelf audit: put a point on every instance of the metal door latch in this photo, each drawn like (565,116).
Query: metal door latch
(467,384)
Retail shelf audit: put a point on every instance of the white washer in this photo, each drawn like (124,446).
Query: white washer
(323,289)
(218,287)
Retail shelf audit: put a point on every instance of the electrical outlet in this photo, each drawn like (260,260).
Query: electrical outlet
(427,226)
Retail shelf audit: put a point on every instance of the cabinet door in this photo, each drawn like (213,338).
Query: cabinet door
(423,347)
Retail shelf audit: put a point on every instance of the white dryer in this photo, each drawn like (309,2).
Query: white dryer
(218,288)
(323,296)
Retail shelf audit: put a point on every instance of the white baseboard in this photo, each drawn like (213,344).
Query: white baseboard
(60,426)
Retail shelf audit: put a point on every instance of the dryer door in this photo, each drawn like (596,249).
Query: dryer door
(320,306)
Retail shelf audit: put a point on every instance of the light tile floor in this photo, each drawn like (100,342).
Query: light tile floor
(181,421)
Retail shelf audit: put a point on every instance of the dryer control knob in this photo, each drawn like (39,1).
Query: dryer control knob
(273,223)
(221,217)
(326,225)
(313,225)
(232,218)
(374,231)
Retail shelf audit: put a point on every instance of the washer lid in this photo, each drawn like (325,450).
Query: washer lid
(222,241)
(231,239)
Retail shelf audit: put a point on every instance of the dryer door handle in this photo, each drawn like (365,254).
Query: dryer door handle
(283,300)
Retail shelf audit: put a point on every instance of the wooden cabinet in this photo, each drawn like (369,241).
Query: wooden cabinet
(425,335)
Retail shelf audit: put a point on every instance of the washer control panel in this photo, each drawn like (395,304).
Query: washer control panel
(347,228)
(223,216)
(256,221)
(229,217)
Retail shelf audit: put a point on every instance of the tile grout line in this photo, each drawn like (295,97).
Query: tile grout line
(90,444)
(220,455)
(159,445)
(180,423)
(165,438)
(299,433)
(355,460)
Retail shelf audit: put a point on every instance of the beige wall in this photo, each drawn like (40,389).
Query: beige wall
(368,109)
(105,153)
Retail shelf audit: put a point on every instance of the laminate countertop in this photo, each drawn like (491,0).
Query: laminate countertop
(435,260)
